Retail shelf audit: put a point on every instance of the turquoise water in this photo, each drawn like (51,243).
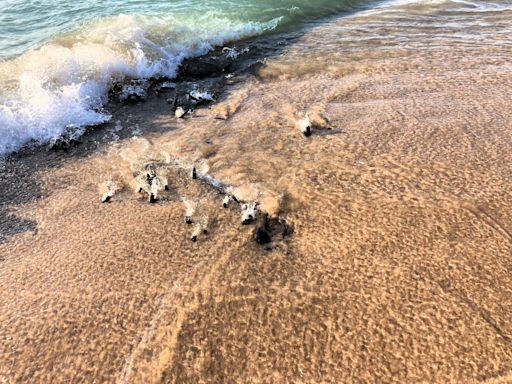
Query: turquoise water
(58,58)
(27,24)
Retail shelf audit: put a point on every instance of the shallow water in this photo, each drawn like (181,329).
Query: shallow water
(25,25)
(60,58)
(398,268)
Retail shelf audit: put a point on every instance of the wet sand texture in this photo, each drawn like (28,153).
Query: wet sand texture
(398,268)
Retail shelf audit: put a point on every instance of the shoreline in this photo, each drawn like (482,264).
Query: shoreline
(398,267)
(208,72)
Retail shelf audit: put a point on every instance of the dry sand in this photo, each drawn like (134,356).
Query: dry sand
(399,267)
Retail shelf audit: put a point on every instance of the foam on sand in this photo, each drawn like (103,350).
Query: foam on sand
(65,82)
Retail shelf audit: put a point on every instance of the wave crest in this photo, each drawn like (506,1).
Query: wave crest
(65,82)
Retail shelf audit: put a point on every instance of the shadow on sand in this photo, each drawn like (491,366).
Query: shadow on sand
(18,184)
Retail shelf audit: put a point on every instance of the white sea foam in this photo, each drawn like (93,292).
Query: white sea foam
(65,82)
(202,95)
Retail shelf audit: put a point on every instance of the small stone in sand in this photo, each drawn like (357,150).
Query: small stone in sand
(305,125)
(180,112)
(249,213)
(261,236)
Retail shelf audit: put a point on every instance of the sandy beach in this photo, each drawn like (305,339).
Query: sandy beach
(396,265)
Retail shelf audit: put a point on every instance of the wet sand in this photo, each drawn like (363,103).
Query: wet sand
(399,265)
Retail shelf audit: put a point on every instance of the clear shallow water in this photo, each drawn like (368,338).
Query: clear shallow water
(407,196)
(59,58)
(25,24)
